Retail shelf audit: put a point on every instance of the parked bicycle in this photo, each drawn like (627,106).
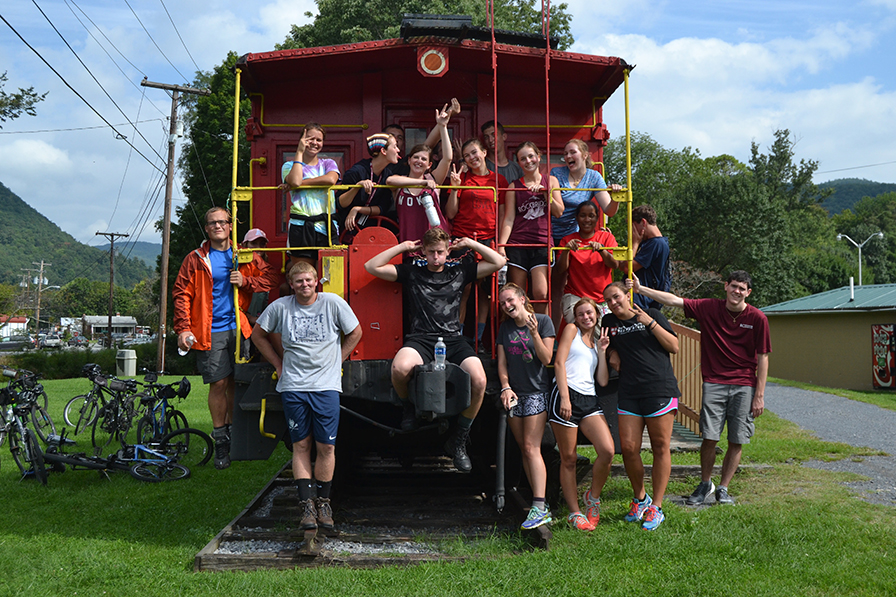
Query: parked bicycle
(115,417)
(81,411)
(159,417)
(23,443)
(27,391)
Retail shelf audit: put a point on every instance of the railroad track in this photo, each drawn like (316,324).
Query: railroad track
(387,514)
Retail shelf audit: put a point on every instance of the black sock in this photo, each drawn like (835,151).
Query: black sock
(323,489)
(220,433)
(305,488)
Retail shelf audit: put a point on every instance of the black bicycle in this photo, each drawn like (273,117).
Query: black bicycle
(23,444)
(114,419)
(159,417)
(29,392)
(81,411)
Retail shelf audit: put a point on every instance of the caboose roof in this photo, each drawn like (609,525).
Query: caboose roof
(602,74)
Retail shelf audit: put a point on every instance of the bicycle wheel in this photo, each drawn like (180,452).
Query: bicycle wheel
(74,413)
(42,397)
(36,458)
(154,472)
(43,424)
(17,449)
(175,420)
(145,430)
(187,446)
(105,428)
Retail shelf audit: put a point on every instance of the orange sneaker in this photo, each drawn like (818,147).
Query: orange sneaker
(592,509)
(577,520)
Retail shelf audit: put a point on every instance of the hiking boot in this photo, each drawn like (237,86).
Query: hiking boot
(324,514)
(222,448)
(577,520)
(309,516)
(703,491)
(653,518)
(536,518)
(456,447)
(592,508)
(637,509)
(722,496)
(408,416)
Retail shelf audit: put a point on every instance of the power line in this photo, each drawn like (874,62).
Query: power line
(67,84)
(857,167)
(178,35)
(114,103)
(80,128)
(154,41)
(104,49)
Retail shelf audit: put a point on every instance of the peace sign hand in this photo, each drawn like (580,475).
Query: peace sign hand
(604,341)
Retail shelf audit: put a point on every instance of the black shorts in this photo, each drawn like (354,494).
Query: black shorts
(457,348)
(583,406)
(306,236)
(646,407)
(527,258)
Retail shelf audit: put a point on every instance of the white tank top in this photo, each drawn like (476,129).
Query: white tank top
(581,363)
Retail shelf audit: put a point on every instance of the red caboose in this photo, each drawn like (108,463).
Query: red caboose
(355,90)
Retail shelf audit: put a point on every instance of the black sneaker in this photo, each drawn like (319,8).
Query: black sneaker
(456,447)
(408,416)
(324,514)
(722,496)
(222,454)
(309,516)
(703,491)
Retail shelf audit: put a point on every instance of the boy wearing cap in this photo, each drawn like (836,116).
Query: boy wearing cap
(359,203)
(257,277)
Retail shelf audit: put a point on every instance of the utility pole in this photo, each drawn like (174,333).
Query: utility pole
(40,283)
(111,236)
(166,227)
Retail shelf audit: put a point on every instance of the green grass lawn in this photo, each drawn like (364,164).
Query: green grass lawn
(794,531)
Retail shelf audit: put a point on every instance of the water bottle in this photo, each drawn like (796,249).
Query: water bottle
(190,341)
(439,362)
(429,207)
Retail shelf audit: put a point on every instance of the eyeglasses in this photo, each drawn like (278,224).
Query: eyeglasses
(217,223)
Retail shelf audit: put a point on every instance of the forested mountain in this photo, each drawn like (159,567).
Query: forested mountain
(849,191)
(26,237)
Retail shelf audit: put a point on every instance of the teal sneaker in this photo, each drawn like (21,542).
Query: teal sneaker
(653,518)
(536,518)
(637,509)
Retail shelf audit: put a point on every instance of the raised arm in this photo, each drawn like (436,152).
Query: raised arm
(666,298)
(379,265)
(452,206)
(491,262)
(667,339)
(606,202)
(441,171)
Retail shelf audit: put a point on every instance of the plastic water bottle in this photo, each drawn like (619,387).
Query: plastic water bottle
(429,207)
(190,341)
(439,362)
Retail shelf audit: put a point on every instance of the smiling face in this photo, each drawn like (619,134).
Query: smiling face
(528,159)
(618,302)
(474,156)
(736,294)
(304,285)
(419,163)
(573,157)
(391,151)
(512,304)
(314,142)
(586,218)
(586,317)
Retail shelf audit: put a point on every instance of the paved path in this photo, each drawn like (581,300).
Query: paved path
(838,419)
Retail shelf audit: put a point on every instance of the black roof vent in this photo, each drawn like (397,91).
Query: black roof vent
(461,27)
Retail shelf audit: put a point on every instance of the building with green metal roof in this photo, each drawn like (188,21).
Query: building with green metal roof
(842,338)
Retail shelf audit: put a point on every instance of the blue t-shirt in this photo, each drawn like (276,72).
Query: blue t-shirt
(223,313)
(653,255)
(566,223)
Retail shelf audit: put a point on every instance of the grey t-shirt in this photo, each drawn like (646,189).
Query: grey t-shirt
(525,371)
(312,351)
(511,171)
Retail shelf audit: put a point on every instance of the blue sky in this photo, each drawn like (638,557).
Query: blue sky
(714,76)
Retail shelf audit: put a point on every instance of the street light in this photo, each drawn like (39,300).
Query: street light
(858,246)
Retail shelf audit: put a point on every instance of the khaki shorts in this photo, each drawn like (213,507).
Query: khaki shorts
(217,363)
(727,403)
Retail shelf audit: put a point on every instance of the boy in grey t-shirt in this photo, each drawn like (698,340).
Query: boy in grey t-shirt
(310,379)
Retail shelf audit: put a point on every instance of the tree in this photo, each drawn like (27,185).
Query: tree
(782,177)
(352,21)
(206,158)
(14,105)
(84,297)
(870,215)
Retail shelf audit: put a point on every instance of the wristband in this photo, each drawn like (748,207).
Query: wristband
(297,162)
(651,325)
(505,389)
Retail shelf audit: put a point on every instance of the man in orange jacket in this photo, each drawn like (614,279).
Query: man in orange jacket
(205,320)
